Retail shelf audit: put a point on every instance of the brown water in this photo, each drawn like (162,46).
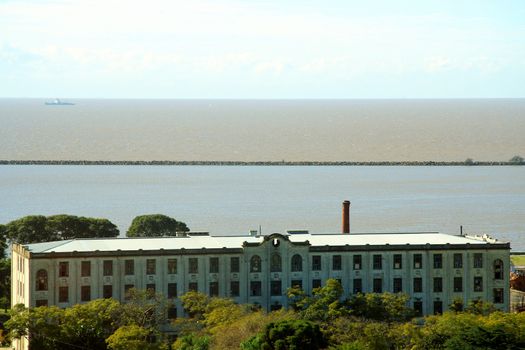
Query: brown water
(251,130)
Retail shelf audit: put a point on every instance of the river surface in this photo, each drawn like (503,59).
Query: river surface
(230,200)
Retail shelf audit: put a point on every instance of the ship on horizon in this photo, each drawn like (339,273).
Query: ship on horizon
(58,102)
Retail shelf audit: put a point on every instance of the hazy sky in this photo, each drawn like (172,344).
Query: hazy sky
(262,49)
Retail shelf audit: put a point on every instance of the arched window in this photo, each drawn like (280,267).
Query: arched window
(41,280)
(276,265)
(255,264)
(297,263)
(498,269)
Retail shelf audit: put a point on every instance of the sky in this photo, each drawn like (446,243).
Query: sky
(262,49)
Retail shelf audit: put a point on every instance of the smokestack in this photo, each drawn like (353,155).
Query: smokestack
(346,217)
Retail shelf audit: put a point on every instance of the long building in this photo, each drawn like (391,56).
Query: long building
(433,268)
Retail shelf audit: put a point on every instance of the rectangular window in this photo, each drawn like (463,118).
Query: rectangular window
(172,290)
(172,312)
(127,290)
(107,291)
(418,308)
(255,288)
(63,294)
(397,261)
(85,293)
(63,269)
(194,265)
(398,285)
(478,284)
(418,261)
(234,289)
(336,262)
(316,283)
(378,285)
(316,263)
(193,287)
(418,285)
(438,307)
(108,267)
(150,287)
(172,266)
(297,284)
(151,266)
(275,288)
(458,260)
(234,264)
(498,296)
(378,262)
(438,261)
(41,302)
(458,284)
(358,285)
(85,268)
(214,265)
(438,284)
(478,260)
(129,267)
(357,262)
(214,289)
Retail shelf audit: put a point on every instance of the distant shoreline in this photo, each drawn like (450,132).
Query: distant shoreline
(257,163)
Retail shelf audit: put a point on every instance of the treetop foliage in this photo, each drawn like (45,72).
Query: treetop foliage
(155,225)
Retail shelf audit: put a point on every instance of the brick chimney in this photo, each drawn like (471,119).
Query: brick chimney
(346,217)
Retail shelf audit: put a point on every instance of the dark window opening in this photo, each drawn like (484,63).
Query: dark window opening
(214,289)
(377,262)
(194,265)
(107,291)
(255,288)
(108,267)
(418,261)
(438,284)
(151,266)
(85,268)
(214,265)
(129,267)
(357,262)
(234,264)
(458,261)
(85,293)
(398,285)
(478,284)
(172,266)
(63,269)
(438,261)
(297,263)
(172,290)
(41,280)
(255,263)
(478,260)
(316,283)
(458,284)
(378,285)
(358,285)
(398,261)
(336,262)
(275,288)
(418,285)
(234,289)
(316,262)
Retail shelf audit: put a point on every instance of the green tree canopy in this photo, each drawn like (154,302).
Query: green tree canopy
(155,225)
(38,228)
(517,160)
(3,240)
(131,337)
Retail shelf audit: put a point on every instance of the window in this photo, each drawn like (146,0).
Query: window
(336,262)
(378,285)
(377,262)
(194,265)
(458,284)
(478,284)
(129,267)
(151,266)
(234,264)
(255,264)
(107,291)
(150,288)
(478,260)
(316,262)
(418,261)
(63,269)
(193,286)
(41,280)
(438,261)
(172,266)
(397,261)
(172,312)
(108,267)
(85,268)
(438,307)
(498,269)
(498,295)
(458,261)
(172,290)
(275,288)
(418,285)
(214,289)
(316,283)
(63,294)
(398,285)
(255,288)
(234,289)
(357,262)
(127,290)
(275,265)
(297,284)
(297,263)
(438,284)
(41,302)
(358,285)
(85,293)
(418,308)
(214,265)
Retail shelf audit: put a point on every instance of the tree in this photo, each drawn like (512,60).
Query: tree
(131,337)
(325,302)
(195,303)
(386,307)
(3,240)
(155,225)
(469,161)
(29,229)
(5,283)
(517,160)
